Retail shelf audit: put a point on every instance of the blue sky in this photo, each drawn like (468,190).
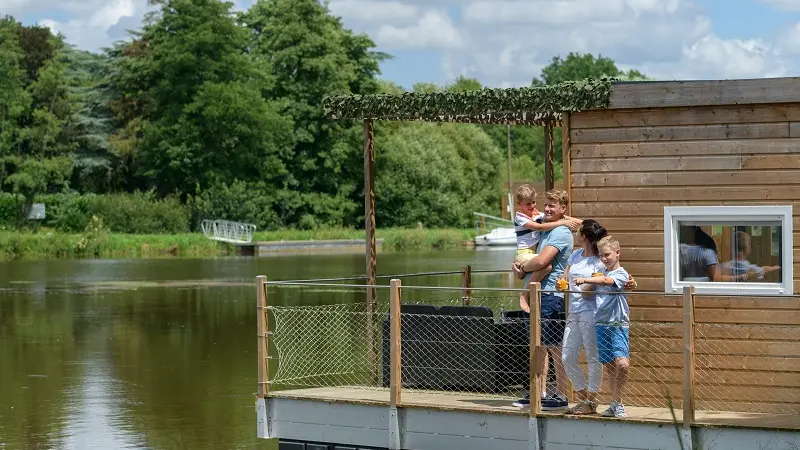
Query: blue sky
(507,42)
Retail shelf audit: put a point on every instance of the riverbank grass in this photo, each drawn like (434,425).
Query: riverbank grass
(49,244)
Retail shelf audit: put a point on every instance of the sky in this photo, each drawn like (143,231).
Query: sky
(505,43)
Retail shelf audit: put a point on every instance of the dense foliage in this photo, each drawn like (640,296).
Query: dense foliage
(210,113)
(534,105)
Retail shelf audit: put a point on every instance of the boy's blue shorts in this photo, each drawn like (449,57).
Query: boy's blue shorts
(612,342)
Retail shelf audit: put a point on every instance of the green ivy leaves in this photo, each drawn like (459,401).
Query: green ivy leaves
(532,104)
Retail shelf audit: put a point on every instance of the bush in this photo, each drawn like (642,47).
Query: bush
(238,202)
(137,213)
(141,213)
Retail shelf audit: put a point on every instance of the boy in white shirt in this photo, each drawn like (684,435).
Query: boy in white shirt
(612,319)
(528,225)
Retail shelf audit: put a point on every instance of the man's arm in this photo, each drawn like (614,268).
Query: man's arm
(571,222)
(542,260)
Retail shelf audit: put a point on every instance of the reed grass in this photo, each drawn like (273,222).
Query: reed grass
(50,244)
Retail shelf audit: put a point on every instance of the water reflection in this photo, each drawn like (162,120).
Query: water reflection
(158,353)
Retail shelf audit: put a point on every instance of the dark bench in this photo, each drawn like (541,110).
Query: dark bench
(460,348)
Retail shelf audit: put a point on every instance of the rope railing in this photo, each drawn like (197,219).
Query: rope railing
(488,348)
(399,276)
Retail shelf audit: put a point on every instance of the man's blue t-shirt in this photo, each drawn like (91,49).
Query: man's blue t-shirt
(560,238)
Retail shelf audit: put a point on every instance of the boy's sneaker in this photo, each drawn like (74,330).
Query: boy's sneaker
(554,402)
(615,410)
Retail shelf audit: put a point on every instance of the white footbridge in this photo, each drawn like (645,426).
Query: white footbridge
(228,231)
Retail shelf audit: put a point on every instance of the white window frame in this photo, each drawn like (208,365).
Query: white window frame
(727,215)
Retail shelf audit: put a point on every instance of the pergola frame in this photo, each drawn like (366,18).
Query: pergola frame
(547,106)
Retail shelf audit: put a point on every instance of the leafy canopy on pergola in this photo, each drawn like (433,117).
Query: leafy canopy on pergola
(530,105)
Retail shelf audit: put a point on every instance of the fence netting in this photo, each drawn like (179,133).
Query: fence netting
(475,346)
(478,346)
(326,345)
(747,368)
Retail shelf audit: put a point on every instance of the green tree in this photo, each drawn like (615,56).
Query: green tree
(199,109)
(312,55)
(39,46)
(578,66)
(436,174)
(14,99)
(35,137)
(94,158)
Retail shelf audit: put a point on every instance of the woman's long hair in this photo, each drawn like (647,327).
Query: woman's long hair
(593,231)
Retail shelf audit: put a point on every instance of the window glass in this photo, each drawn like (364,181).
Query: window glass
(747,251)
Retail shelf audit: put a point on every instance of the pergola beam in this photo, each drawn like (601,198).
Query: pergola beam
(529,105)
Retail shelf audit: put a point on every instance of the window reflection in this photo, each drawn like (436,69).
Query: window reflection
(730,252)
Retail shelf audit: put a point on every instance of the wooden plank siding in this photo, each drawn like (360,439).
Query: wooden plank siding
(626,165)
(664,94)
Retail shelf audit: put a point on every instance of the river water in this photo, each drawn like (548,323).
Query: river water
(159,353)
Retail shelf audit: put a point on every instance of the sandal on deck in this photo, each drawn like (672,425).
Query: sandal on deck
(583,408)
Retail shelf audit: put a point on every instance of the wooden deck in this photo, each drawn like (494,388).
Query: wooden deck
(448,401)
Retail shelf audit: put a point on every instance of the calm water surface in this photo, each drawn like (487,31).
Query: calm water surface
(157,353)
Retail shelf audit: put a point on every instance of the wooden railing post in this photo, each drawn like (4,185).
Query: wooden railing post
(688,356)
(395,368)
(467,284)
(535,349)
(263,343)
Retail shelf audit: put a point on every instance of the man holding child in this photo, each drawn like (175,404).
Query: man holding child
(554,250)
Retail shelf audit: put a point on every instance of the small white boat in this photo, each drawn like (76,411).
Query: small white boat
(498,237)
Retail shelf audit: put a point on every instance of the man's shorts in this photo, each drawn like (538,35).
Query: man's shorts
(552,320)
(524,255)
(612,342)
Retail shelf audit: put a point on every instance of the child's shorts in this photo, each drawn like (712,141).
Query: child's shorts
(612,342)
(524,255)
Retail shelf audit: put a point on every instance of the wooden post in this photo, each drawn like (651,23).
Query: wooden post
(535,349)
(395,370)
(688,356)
(549,174)
(467,284)
(510,178)
(263,328)
(369,228)
(566,158)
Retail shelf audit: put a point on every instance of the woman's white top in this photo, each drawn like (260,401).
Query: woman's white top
(582,267)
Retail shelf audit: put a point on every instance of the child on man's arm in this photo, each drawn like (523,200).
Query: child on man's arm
(528,225)
(612,320)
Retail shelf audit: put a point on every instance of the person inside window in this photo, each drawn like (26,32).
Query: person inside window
(740,266)
(698,257)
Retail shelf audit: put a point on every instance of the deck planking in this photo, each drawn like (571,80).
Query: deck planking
(459,401)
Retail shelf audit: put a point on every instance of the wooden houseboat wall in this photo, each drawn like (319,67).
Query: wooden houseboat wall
(692,144)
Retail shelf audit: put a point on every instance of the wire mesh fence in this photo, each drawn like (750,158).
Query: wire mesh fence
(326,345)
(477,345)
(747,368)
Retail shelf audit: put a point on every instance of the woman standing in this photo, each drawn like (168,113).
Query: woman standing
(579,332)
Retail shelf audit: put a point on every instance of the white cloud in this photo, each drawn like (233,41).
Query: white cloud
(734,58)
(561,12)
(790,42)
(502,42)
(91,24)
(507,42)
(373,11)
(433,30)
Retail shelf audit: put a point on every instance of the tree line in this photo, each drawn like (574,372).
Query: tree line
(220,111)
